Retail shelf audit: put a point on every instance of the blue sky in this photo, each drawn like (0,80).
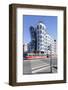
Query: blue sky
(32,20)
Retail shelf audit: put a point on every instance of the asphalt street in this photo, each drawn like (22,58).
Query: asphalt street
(38,66)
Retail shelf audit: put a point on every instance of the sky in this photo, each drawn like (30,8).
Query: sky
(32,20)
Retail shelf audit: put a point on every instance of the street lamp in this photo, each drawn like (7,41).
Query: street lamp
(51,57)
(50,48)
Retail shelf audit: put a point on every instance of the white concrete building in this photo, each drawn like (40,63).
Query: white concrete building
(25,47)
(41,37)
(41,40)
(50,44)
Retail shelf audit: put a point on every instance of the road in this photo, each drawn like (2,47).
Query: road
(39,66)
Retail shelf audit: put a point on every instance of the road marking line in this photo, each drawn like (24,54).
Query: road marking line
(40,66)
(34,71)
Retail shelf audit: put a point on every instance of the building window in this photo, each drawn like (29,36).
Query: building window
(43,27)
(40,41)
(38,47)
(40,36)
(40,32)
(37,26)
(38,44)
(42,45)
(37,32)
(42,48)
(40,26)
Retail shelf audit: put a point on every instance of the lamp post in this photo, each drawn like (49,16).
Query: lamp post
(51,58)
(50,48)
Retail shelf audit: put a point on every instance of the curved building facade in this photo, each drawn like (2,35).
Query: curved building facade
(41,37)
(41,41)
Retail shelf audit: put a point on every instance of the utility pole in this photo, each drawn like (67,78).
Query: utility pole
(51,58)
(50,49)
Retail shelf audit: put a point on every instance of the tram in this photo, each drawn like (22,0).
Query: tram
(35,56)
